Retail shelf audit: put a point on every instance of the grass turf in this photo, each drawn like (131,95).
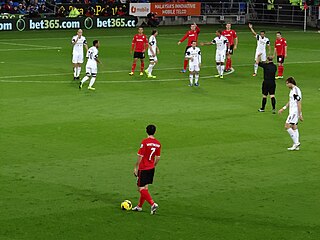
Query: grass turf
(67,156)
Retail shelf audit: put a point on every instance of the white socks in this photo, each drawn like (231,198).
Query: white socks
(294,134)
(150,68)
(84,79)
(93,79)
(78,71)
(75,70)
(191,79)
(196,78)
(255,68)
(221,70)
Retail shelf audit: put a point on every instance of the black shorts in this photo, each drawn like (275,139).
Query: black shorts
(280,59)
(138,55)
(145,177)
(268,88)
(230,50)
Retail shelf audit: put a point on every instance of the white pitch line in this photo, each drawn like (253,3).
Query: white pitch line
(119,71)
(29,49)
(27,45)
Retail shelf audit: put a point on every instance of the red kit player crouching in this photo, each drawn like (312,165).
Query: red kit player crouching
(148,158)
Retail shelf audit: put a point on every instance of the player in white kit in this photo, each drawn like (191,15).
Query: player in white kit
(262,42)
(92,65)
(153,50)
(193,54)
(78,41)
(295,112)
(223,47)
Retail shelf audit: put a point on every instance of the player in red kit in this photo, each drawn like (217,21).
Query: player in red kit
(232,37)
(192,35)
(139,46)
(148,158)
(280,47)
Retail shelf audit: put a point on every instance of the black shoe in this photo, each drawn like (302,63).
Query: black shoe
(273,111)
(260,110)
(77,78)
(74,78)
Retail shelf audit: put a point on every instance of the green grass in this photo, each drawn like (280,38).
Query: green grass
(67,156)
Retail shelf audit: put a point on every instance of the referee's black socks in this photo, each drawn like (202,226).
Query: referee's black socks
(264,102)
(273,102)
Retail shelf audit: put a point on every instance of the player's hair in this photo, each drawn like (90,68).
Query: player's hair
(151,129)
(262,31)
(279,33)
(154,31)
(193,41)
(219,31)
(291,80)
(95,42)
(270,58)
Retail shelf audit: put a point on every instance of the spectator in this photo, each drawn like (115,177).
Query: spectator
(120,12)
(90,12)
(107,11)
(33,13)
(43,9)
(74,12)
(22,9)
(60,13)
(153,21)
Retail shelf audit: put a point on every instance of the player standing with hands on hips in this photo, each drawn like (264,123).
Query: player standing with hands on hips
(78,41)
(192,35)
(193,55)
(148,158)
(261,54)
(295,112)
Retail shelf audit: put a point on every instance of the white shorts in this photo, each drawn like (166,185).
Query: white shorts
(92,71)
(194,68)
(153,58)
(77,58)
(220,56)
(293,119)
(263,57)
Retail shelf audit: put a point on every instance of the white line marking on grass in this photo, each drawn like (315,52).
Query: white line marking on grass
(29,49)
(3,79)
(26,45)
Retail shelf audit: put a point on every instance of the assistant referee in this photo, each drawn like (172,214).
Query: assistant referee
(268,84)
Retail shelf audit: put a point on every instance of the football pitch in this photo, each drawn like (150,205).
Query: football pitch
(67,156)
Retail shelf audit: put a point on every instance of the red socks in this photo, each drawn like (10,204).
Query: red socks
(185,64)
(142,67)
(228,64)
(133,67)
(280,70)
(145,196)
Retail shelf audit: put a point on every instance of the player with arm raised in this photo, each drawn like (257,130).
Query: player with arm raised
(139,46)
(280,48)
(232,37)
(193,55)
(78,41)
(295,112)
(222,47)
(92,65)
(192,35)
(262,42)
(148,158)
(153,50)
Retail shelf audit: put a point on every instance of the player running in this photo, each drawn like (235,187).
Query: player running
(148,158)
(192,35)
(280,48)
(223,46)
(193,55)
(295,112)
(139,46)
(232,37)
(92,65)
(78,41)
(153,50)
(262,42)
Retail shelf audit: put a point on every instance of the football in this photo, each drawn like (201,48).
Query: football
(126,205)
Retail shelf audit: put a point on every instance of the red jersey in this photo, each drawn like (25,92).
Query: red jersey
(280,45)
(191,35)
(230,35)
(150,147)
(139,42)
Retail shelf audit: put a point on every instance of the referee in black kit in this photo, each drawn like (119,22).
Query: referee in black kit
(269,84)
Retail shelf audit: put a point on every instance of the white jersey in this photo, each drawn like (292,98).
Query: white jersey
(221,43)
(194,55)
(294,97)
(78,46)
(262,43)
(153,45)
(92,55)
